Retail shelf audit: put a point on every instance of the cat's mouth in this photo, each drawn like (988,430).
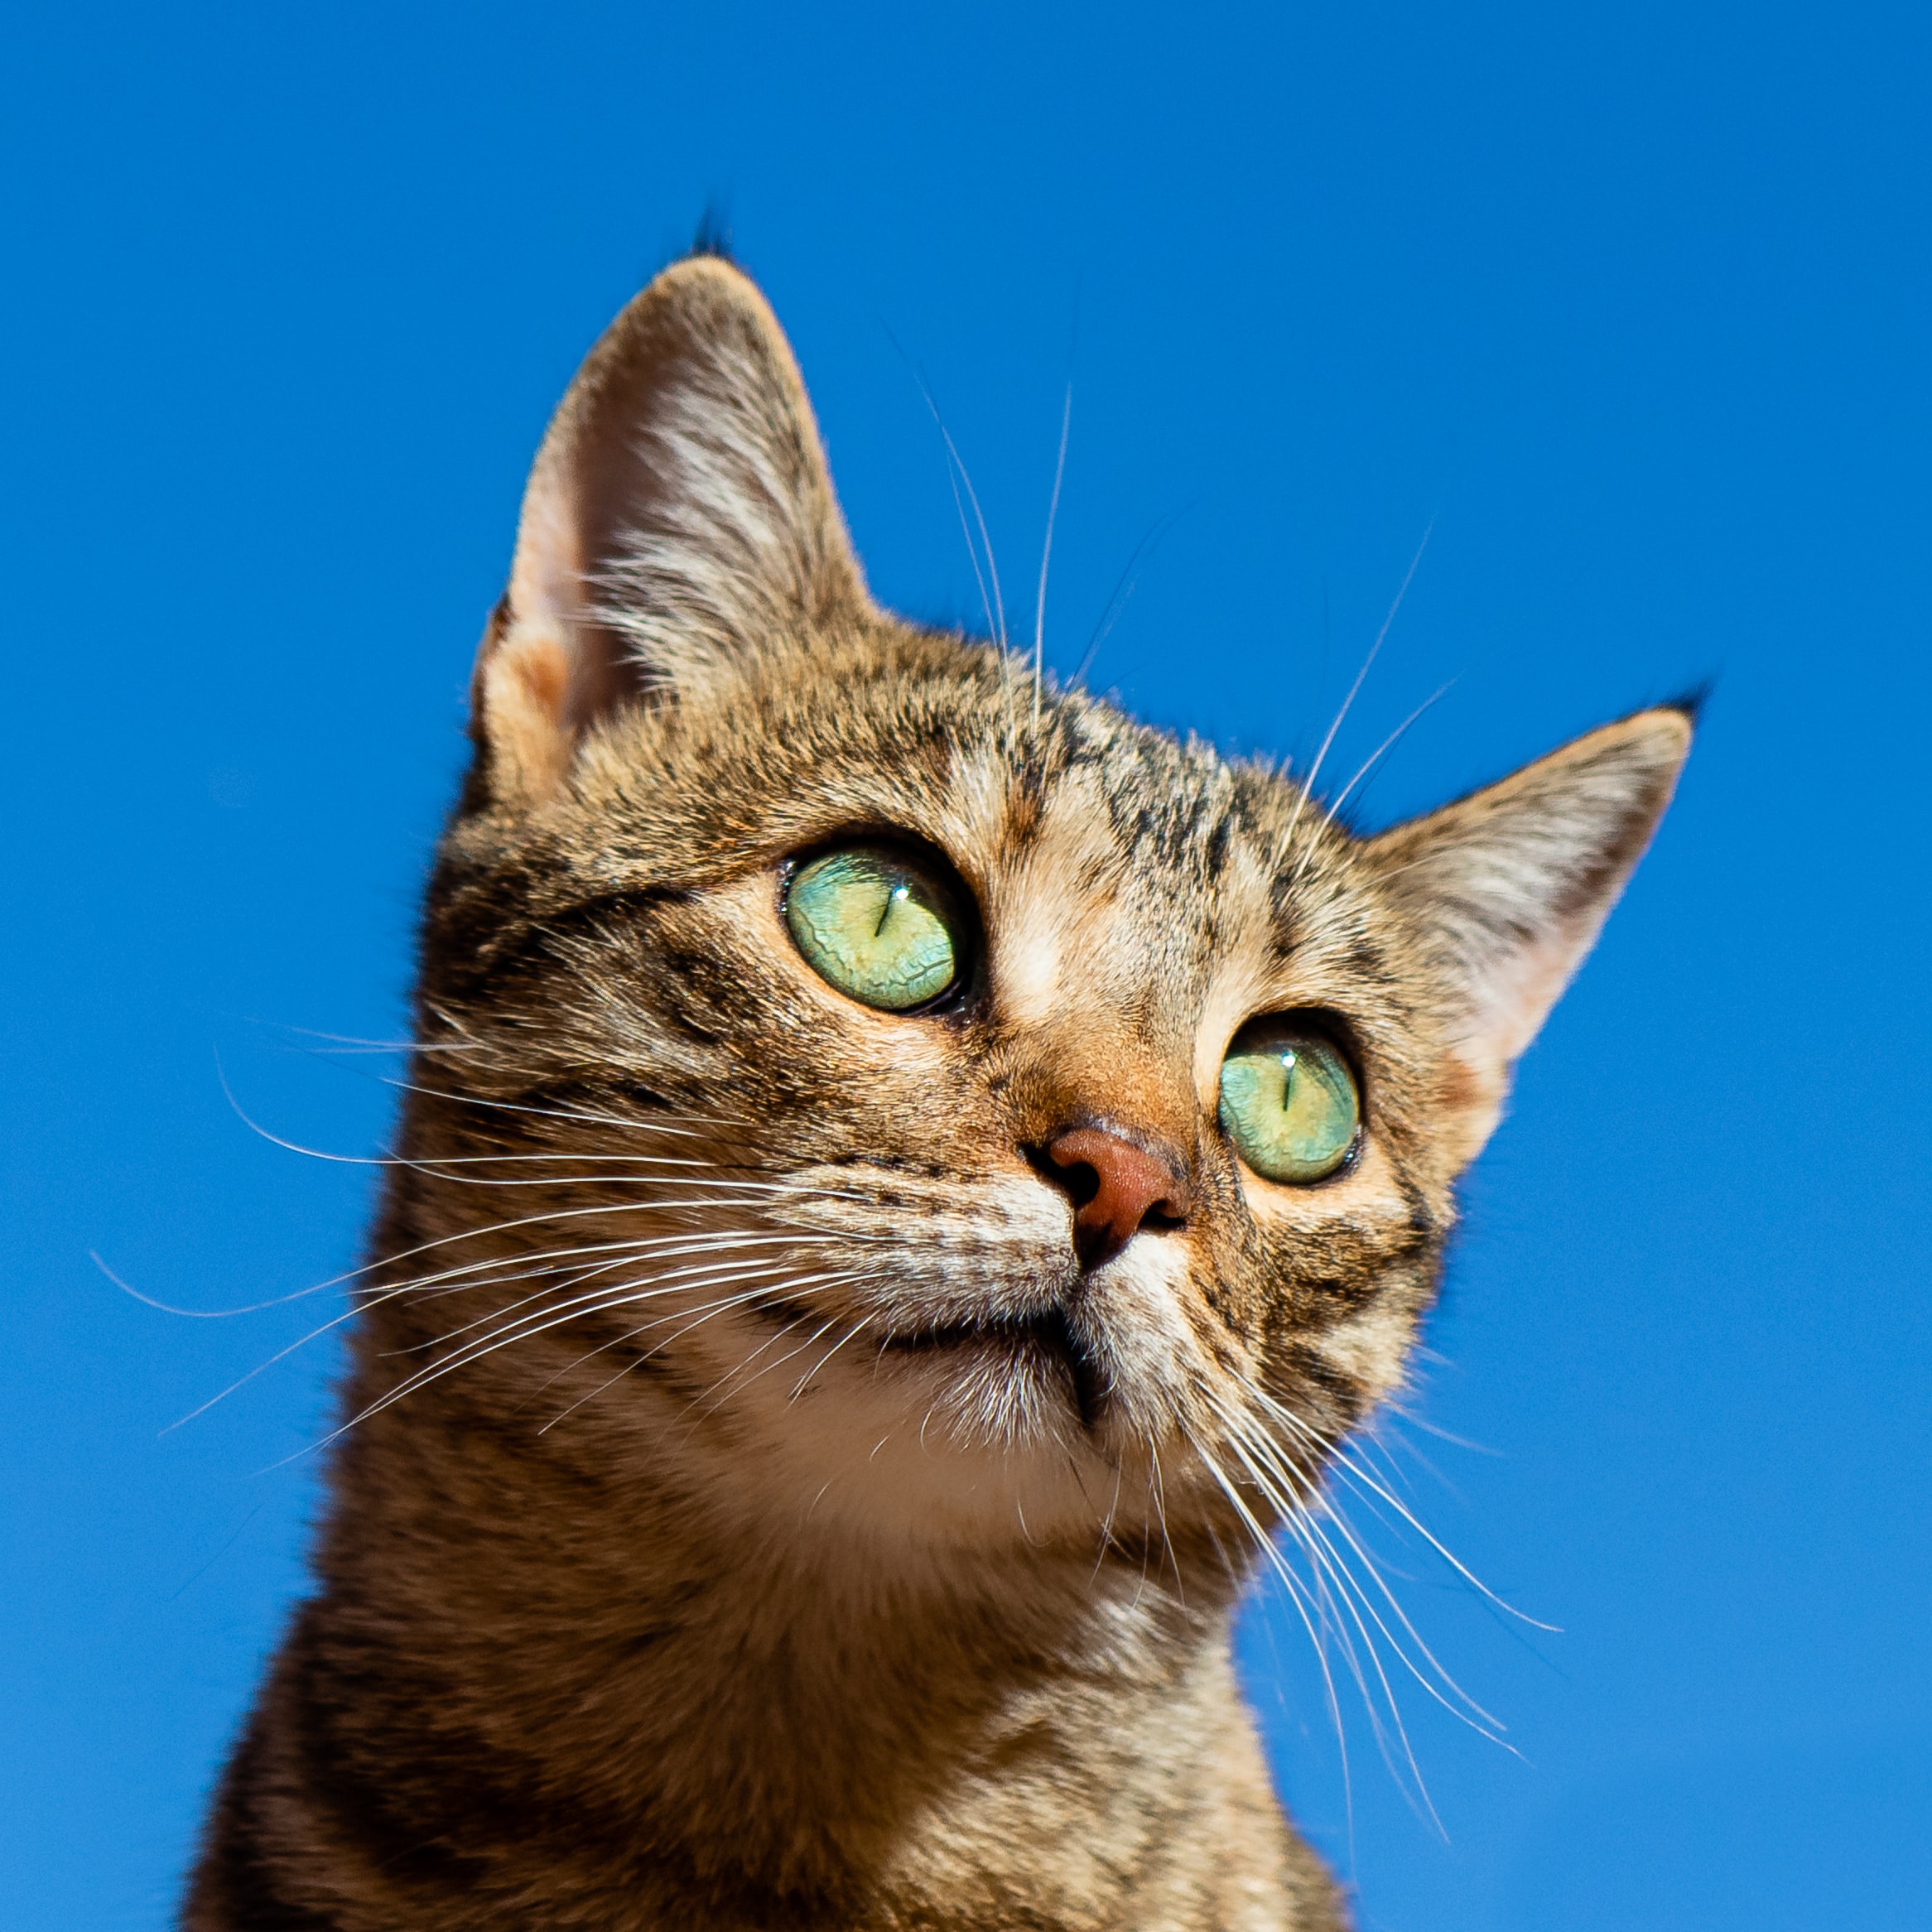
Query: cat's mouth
(1044,1343)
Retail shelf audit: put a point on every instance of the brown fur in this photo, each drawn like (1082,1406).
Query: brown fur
(896,1593)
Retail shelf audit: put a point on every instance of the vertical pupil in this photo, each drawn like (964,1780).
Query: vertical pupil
(1302,1130)
(875,927)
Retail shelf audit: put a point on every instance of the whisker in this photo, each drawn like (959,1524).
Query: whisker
(612,1382)
(993,606)
(724,1381)
(818,1367)
(1266,1545)
(1160,1511)
(1106,1536)
(1382,750)
(359,1043)
(791,1286)
(1304,1521)
(1341,1460)
(499,1227)
(471,1099)
(491,1344)
(1490,1725)
(1347,703)
(690,1169)
(1347,1597)
(1310,1515)
(630,1254)
(372,1299)
(718,1388)
(1123,590)
(147,1301)
(639,1125)
(1046,557)
(509,1325)
(1337,1594)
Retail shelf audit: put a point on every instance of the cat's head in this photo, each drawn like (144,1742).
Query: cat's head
(993,1108)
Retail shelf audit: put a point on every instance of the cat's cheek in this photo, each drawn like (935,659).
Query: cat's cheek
(1363,1220)
(1371,1347)
(1469,1093)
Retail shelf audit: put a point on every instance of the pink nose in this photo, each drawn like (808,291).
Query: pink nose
(1117,1187)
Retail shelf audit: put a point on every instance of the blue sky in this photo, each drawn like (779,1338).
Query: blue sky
(1627,308)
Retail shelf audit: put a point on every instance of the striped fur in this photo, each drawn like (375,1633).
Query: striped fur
(747,1513)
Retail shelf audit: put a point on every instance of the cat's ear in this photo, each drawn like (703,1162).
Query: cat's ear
(679,520)
(1508,889)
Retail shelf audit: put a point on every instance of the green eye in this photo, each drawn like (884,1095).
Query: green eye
(878,925)
(1288,1101)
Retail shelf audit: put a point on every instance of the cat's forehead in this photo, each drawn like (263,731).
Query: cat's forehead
(1030,792)
(1088,789)
(1040,798)
(1154,883)
(1118,867)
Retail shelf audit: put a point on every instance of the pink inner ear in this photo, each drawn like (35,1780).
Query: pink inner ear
(1510,1002)
(583,671)
(678,519)
(1471,1100)
(1527,985)
(545,674)
(522,699)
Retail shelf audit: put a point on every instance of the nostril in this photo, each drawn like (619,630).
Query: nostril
(1079,1179)
(1117,1186)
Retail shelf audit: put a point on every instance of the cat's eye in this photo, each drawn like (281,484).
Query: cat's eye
(1288,1101)
(880,924)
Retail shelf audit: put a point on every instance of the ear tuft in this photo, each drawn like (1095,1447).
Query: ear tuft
(712,236)
(1508,889)
(679,522)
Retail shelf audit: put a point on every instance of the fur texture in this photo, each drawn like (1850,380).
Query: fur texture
(749,1512)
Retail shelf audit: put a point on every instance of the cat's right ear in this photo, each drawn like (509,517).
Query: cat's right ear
(678,522)
(1508,889)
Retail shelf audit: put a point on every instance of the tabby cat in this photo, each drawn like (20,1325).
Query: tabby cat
(907,1176)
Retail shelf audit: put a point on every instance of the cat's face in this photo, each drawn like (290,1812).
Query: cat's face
(994,1109)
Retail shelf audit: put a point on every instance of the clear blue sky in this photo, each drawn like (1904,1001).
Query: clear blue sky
(1630,304)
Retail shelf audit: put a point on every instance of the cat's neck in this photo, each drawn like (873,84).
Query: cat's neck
(778,1700)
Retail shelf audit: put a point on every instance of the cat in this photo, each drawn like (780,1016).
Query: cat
(906,1178)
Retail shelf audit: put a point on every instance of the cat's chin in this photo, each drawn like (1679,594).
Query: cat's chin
(1044,1349)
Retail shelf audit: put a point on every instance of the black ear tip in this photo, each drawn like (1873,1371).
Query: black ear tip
(1690,704)
(712,236)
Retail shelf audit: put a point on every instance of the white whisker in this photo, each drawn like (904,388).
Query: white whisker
(522,1330)
(791,1286)
(1266,1545)
(1122,591)
(1382,751)
(957,474)
(637,1125)
(471,1274)
(1047,558)
(631,1253)
(1340,1459)
(1308,786)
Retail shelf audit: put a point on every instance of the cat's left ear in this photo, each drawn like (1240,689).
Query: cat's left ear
(1506,890)
(679,520)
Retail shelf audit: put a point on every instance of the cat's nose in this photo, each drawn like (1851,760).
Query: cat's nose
(1117,1186)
